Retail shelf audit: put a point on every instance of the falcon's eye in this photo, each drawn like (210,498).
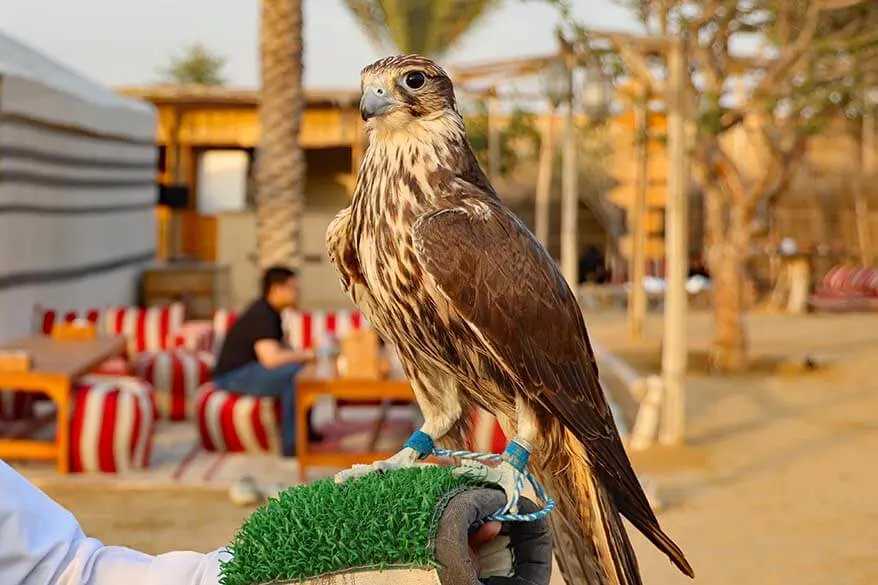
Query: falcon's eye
(415,80)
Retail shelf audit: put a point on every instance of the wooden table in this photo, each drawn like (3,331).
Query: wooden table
(56,365)
(310,386)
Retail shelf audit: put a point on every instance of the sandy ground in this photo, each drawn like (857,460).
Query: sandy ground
(776,484)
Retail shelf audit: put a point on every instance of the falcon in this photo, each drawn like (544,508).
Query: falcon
(480,316)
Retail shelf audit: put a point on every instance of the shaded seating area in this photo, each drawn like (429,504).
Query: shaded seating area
(109,412)
(158,378)
(231,423)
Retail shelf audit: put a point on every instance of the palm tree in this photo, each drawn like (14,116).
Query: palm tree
(426,27)
(280,162)
(196,65)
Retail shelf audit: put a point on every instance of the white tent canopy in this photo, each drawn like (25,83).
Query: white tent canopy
(77,189)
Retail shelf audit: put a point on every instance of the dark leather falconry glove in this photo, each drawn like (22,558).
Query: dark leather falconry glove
(521,554)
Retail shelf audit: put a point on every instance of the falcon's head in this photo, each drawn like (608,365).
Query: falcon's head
(405,88)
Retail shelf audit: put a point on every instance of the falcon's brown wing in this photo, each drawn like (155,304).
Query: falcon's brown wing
(505,284)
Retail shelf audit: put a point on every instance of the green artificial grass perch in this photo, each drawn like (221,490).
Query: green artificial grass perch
(318,529)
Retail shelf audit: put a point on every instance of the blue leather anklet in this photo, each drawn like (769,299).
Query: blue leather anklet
(422,443)
(517,455)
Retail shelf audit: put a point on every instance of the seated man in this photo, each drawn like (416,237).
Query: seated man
(255,359)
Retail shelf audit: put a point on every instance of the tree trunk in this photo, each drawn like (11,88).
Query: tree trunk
(280,169)
(729,239)
(728,349)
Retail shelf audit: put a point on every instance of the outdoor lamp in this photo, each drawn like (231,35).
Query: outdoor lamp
(558,82)
(596,93)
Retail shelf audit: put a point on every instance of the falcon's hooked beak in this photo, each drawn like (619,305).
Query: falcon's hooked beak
(376,100)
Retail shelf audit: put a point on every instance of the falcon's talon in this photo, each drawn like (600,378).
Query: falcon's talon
(405,458)
(511,481)
(504,475)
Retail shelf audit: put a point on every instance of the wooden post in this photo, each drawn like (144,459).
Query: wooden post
(675,353)
(542,205)
(174,154)
(493,138)
(637,293)
(861,203)
(570,195)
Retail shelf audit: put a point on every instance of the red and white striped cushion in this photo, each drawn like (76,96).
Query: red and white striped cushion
(47,318)
(223,319)
(16,405)
(306,329)
(193,336)
(112,425)
(872,282)
(147,329)
(487,435)
(859,280)
(175,376)
(114,366)
(303,329)
(232,423)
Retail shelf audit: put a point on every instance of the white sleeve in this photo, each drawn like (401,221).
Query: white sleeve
(41,543)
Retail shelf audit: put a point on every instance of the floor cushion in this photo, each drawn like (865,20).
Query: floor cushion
(233,423)
(176,377)
(113,424)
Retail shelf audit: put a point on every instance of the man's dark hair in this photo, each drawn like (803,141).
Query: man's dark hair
(275,275)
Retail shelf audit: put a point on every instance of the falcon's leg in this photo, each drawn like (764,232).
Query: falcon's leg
(510,474)
(439,419)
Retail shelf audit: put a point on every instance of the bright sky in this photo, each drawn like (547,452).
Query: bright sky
(120,42)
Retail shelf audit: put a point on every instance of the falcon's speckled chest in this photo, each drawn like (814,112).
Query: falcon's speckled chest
(384,211)
(399,182)
(372,245)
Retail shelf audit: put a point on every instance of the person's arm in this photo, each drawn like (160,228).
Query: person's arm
(41,543)
(272,354)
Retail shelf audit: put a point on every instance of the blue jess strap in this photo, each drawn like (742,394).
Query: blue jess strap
(422,443)
(517,455)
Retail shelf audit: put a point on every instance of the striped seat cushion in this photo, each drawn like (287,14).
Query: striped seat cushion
(147,329)
(175,376)
(232,423)
(113,423)
(304,329)
(307,329)
(46,319)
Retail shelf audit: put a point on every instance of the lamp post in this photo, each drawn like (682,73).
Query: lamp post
(867,168)
(597,93)
(674,345)
(557,86)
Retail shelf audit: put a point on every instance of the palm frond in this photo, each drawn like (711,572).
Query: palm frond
(370,16)
(427,27)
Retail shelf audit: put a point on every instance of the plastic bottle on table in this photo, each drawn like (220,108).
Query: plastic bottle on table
(327,351)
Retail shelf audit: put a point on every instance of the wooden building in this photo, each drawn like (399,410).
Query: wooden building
(207,138)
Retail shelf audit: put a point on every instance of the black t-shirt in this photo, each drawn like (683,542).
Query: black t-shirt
(259,321)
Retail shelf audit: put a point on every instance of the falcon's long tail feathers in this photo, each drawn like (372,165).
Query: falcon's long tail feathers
(586,525)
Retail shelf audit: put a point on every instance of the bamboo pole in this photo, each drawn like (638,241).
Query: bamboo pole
(675,354)
(544,179)
(861,204)
(637,294)
(493,138)
(570,195)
